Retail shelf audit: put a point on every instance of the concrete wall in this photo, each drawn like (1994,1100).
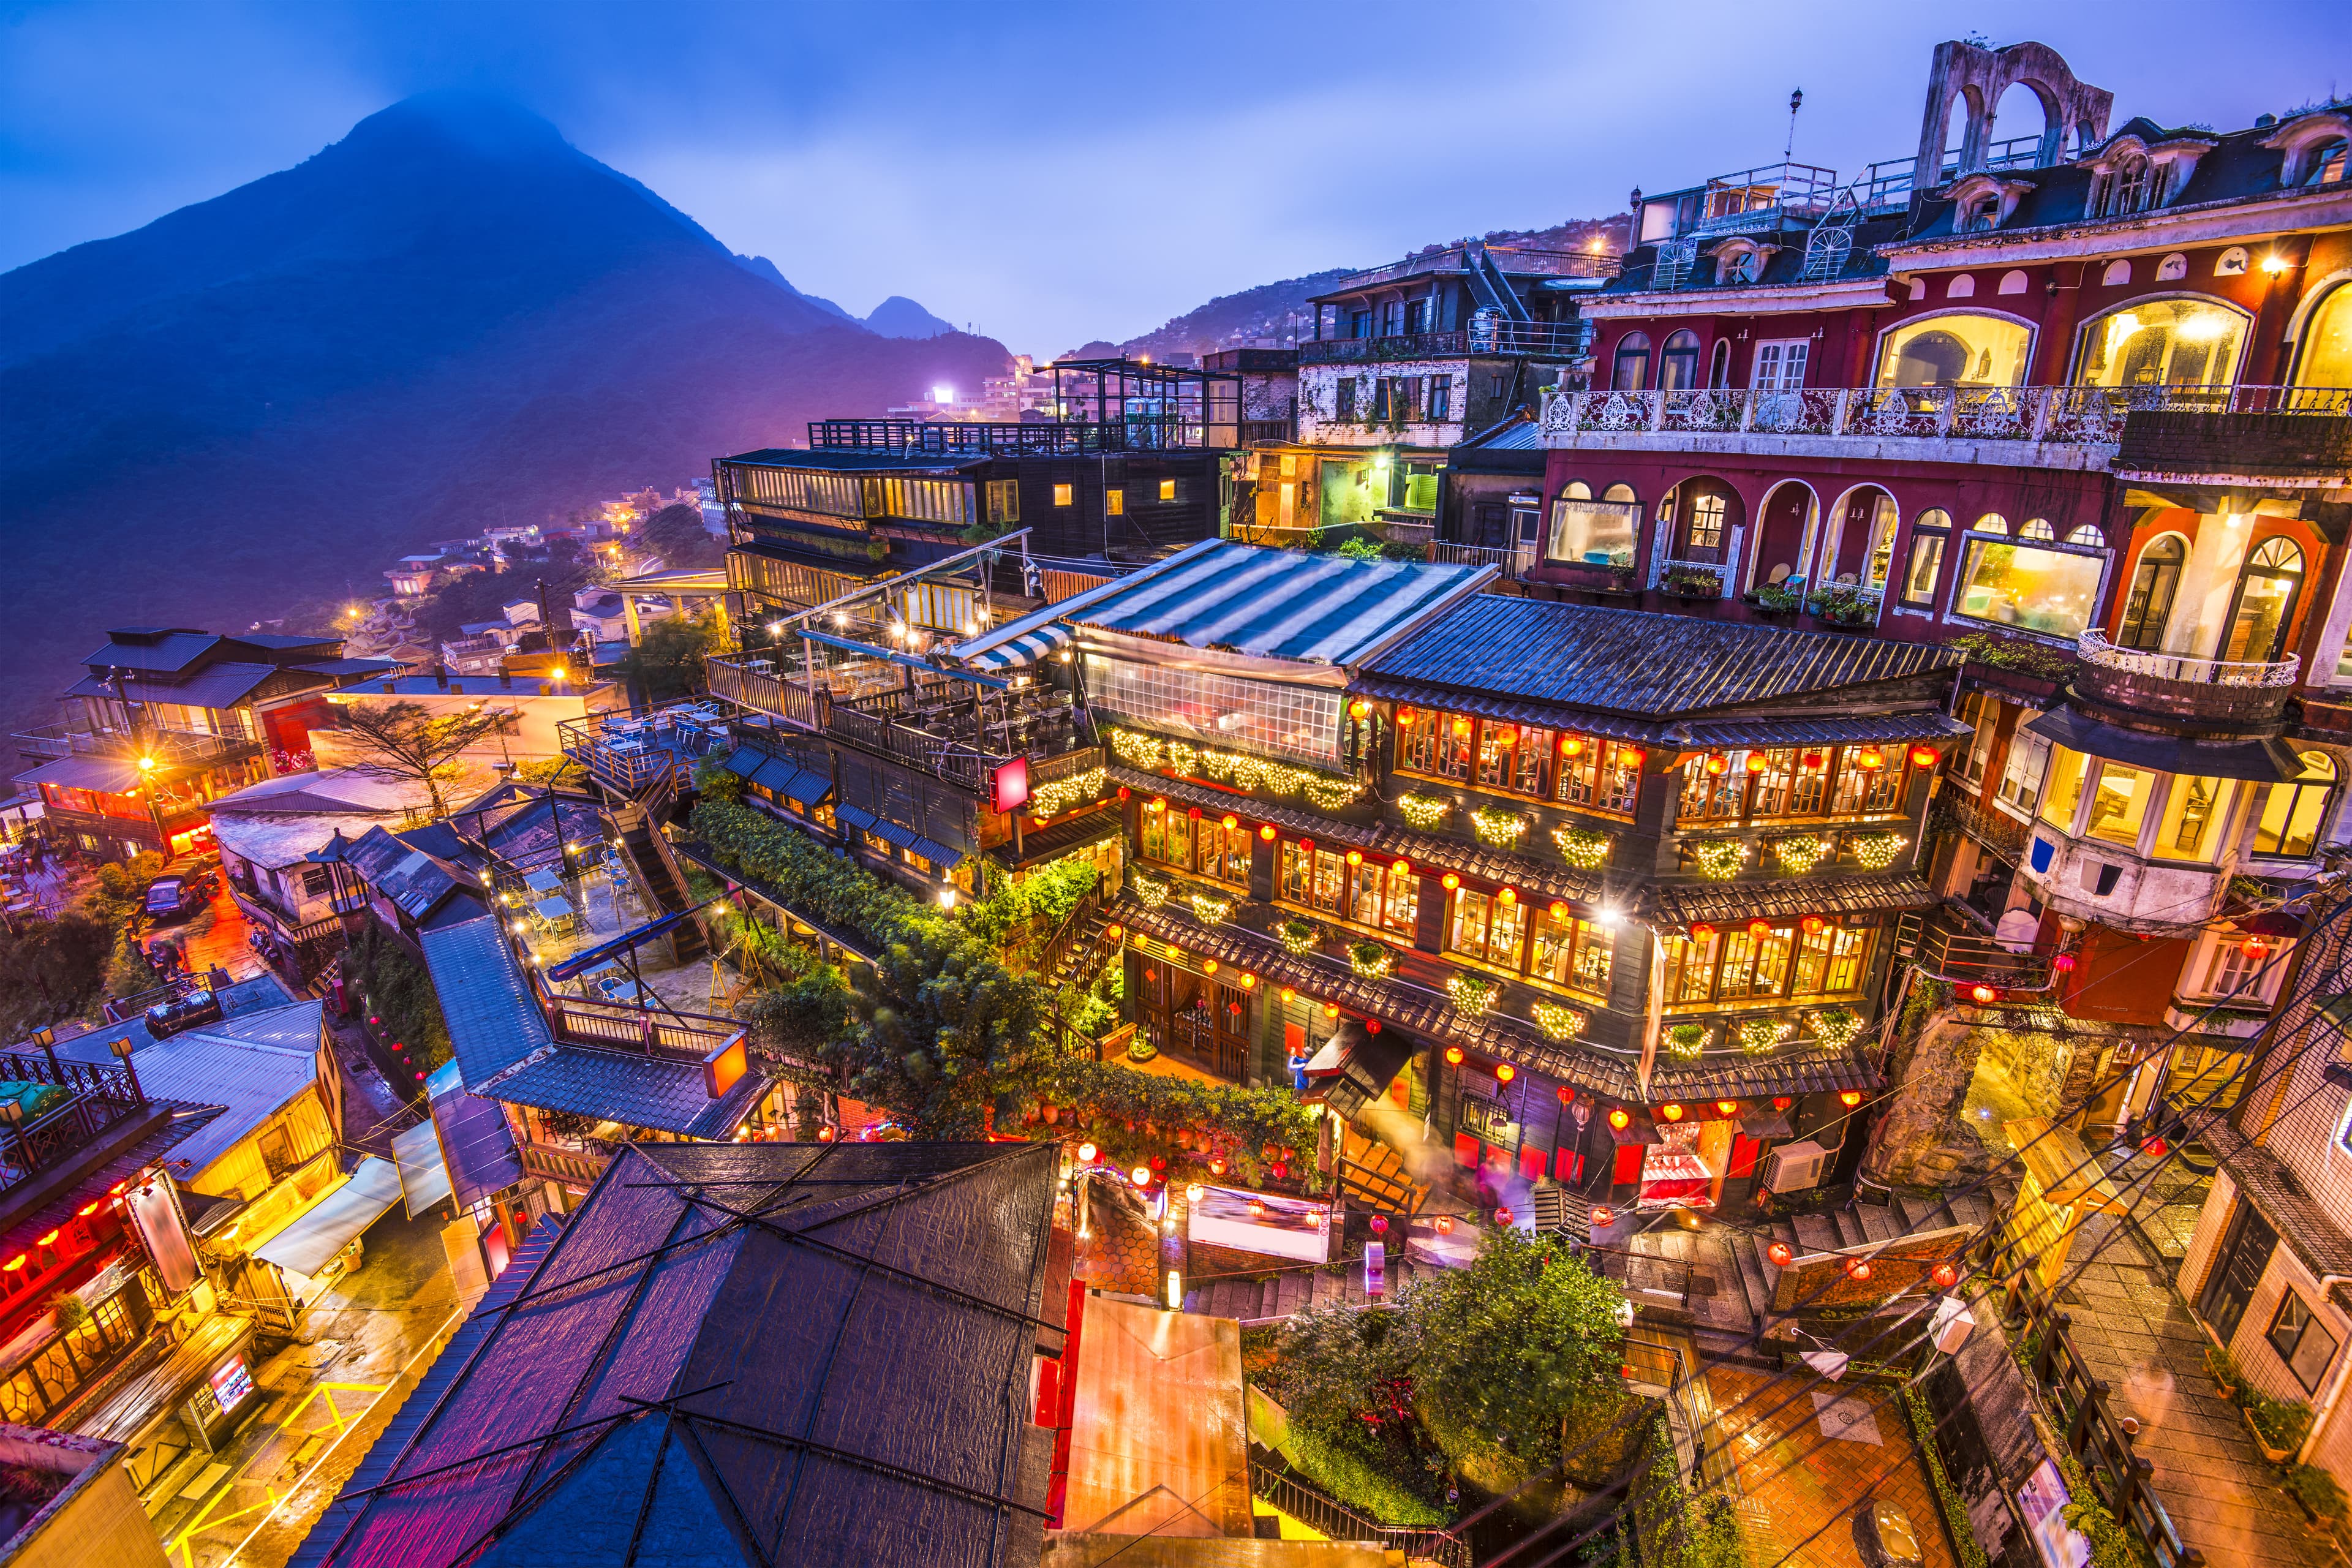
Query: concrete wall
(95,1522)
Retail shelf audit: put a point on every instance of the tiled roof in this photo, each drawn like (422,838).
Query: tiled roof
(1632,663)
(216,686)
(2305,1226)
(1553,880)
(1788,897)
(940,856)
(1047,843)
(171,649)
(659,1092)
(493,1020)
(414,880)
(898,1293)
(1743,1077)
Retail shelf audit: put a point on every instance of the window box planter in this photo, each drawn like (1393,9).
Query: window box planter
(2274,1456)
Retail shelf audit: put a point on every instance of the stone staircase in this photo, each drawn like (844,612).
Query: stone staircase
(1373,1176)
(1303,1288)
(1855,1225)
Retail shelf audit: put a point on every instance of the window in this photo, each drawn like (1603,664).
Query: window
(2037,527)
(1830,962)
(1441,397)
(1167,838)
(316,881)
(2327,348)
(1344,399)
(945,501)
(1929,533)
(1359,323)
(1982,711)
(2129,187)
(2232,969)
(2119,803)
(1485,926)
(1114,502)
(835,495)
(1571,952)
(1884,517)
(2161,343)
(1703,527)
(1754,964)
(1678,362)
(1786,787)
(1498,749)
(2063,791)
(1719,370)
(2301,1342)
(2267,588)
(2296,814)
(1595,534)
(1690,968)
(1984,213)
(1223,852)
(2194,812)
(1062,495)
(2032,589)
(1416,316)
(1955,351)
(1003,500)
(1434,744)
(1600,776)
(1713,796)
(2325,164)
(1780,366)
(1633,373)
(2148,605)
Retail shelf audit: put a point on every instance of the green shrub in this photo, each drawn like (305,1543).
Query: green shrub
(1358,1483)
(2316,1490)
(2283,1423)
(393,986)
(2223,1366)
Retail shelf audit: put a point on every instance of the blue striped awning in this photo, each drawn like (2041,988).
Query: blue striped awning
(1016,646)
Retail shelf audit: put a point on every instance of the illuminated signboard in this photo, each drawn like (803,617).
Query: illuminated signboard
(1262,1222)
(232,1385)
(1013,784)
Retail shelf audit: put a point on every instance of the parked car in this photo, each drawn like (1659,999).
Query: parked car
(184,1012)
(174,898)
(1884,1536)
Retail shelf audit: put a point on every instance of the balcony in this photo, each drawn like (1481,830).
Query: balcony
(170,748)
(631,752)
(1947,946)
(2293,438)
(1177,429)
(1510,259)
(1395,347)
(2031,427)
(2204,693)
(571,1167)
(96,1100)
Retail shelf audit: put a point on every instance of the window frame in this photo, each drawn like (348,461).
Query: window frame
(1783,368)
(2129,618)
(2298,1336)
(1879,381)
(1974,538)
(2291,793)
(1633,346)
(2078,355)
(1924,535)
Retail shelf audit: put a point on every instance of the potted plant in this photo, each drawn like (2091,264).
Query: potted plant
(1846,608)
(2315,1492)
(2224,1370)
(1297,936)
(2278,1425)
(1370,959)
(1693,583)
(1772,599)
(1687,1039)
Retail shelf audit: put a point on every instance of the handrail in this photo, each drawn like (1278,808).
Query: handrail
(2095,648)
(2089,1430)
(1332,1518)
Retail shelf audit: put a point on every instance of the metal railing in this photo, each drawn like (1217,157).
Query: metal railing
(2075,415)
(1509,258)
(175,746)
(1963,957)
(577,1168)
(2077,1398)
(1329,1517)
(750,681)
(1515,563)
(1182,428)
(689,1036)
(100,1097)
(2095,648)
(1738,201)
(1393,346)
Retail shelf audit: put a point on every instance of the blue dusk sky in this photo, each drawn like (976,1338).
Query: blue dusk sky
(1052,173)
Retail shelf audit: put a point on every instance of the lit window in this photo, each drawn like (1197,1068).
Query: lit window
(1632,371)
(2327,164)
(1594,534)
(2161,343)
(1572,952)
(2051,592)
(1113,503)
(1168,489)
(1929,533)
(2194,813)
(2119,803)
(1003,500)
(1955,351)
(1486,928)
(2039,528)
(1062,495)
(2295,812)
(2148,605)
(2063,792)
(2326,343)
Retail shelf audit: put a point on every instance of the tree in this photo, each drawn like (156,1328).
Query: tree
(676,534)
(410,740)
(667,661)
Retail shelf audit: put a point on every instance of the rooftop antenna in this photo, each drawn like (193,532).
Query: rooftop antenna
(1796,101)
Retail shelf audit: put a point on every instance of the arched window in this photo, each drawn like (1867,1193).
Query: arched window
(1719,369)
(1621,494)
(1678,363)
(2088,536)
(1931,531)
(1632,372)
(2148,605)
(2033,583)
(1701,511)
(2038,528)
(2327,164)
(2161,343)
(1576,489)
(1955,350)
(2267,589)
(2296,814)
(2326,357)
(1992,522)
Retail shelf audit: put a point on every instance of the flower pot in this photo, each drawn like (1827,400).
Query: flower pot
(2275,1455)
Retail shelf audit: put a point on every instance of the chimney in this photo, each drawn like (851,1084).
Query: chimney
(441,676)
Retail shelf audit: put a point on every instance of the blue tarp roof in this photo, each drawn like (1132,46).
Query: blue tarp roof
(494,1020)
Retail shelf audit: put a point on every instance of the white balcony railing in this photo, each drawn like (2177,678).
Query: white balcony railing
(2076,414)
(2095,648)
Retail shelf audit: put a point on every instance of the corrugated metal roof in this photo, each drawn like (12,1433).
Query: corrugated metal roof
(665,1095)
(494,1022)
(1277,604)
(413,881)
(175,648)
(1632,662)
(912,1458)
(855,460)
(477,1144)
(218,686)
(252,1080)
(108,775)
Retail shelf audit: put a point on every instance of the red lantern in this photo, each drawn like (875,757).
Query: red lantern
(1502,1216)
(1140,1175)
(1945,1276)
(1114,931)
(1982,993)
(1217,1167)
(1453,1056)
(1231,822)
(1781,1254)
(1504,1072)
(1194,812)
(1781,1102)
(1159,803)
(1702,930)
(1857,1268)
(1462,726)
(1507,896)
(1717,764)
(1601,1214)
(1449,882)
(1760,927)
(1402,869)
(1445,1225)
(1816,760)
(1087,1153)
(1924,756)
(1849,1098)
(1306,847)
(1355,856)
(1567,1095)
(1620,1117)
(1756,764)
(1871,760)
(1267,832)
(1158,1162)
(2063,963)
(1726,1107)
(1632,756)
(1379,1225)
(1671,1111)
(1814,925)
(1122,792)
(2155,1148)
(1257,1209)
(826,1134)
(1372,1026)
(374,1021)
(1571,745)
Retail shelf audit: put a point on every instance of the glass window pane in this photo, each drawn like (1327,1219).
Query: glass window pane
(1955,351)
(2193,815)
(2064,790)
(2161,343)
(2294,814)
(2044,591)
(1597,534)
(1927,561)
(2119,802)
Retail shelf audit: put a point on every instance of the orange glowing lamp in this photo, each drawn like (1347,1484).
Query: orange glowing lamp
(1249,981)
(1504,1072)
(1945,1276)
(1726,1107)
(1671,1111)
(1781,1254)
(1355,856)
(1814,925)
(1702,930)
(1760,927)
(1620,1117)
(1983,995)
(1559,910)
(1849,1098)
(1267,832)
(1449,881)
(1231,822)
(1717,764)
(1506,897)
(1756,764)
(1601,1214)
(1402,869)
(1925,756)
(1359,708)
(1571,745)
(1871,760)
(1453,1056)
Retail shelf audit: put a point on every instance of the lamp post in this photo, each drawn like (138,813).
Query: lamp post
(12,1112)
(46,1036)
(121,1048)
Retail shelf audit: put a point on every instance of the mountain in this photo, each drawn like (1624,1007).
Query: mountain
(1279,311)
(899,317)
(449,318)
(761,267)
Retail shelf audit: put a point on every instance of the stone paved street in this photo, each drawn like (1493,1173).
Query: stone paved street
(2138,1336)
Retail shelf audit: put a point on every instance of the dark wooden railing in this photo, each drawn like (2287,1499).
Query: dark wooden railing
(572,1167)
(101,1097)
(1328,1516)
(2077,1399)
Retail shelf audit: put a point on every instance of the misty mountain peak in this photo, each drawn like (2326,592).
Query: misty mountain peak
(481,124)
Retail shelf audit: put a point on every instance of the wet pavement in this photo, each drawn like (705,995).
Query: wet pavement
(365,1343)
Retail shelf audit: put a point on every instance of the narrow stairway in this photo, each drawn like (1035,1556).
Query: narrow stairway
(1084,958)
(1373,1176)
(659,874)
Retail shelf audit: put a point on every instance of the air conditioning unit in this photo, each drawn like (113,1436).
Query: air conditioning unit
(1795,1167)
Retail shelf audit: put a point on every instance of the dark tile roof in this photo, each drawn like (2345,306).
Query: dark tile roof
(173,649)
(413,880)
(216,686)
(905,837)
(1047,843)
(1679,903)
(1631,663)
(1738,1075)
(494,1022)
(1552,878)
(2304,1226)
(657,1092)
(878,1416)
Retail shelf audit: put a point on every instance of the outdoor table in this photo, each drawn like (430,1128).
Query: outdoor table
(543,882)
(552,910)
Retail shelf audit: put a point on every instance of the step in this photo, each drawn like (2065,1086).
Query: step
(1752,1263)
(1921,1214)
(1292,1293)
(1328,1289)
(1849,1228)
(1879,1223)
(1815,1233)
(1765,1267)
